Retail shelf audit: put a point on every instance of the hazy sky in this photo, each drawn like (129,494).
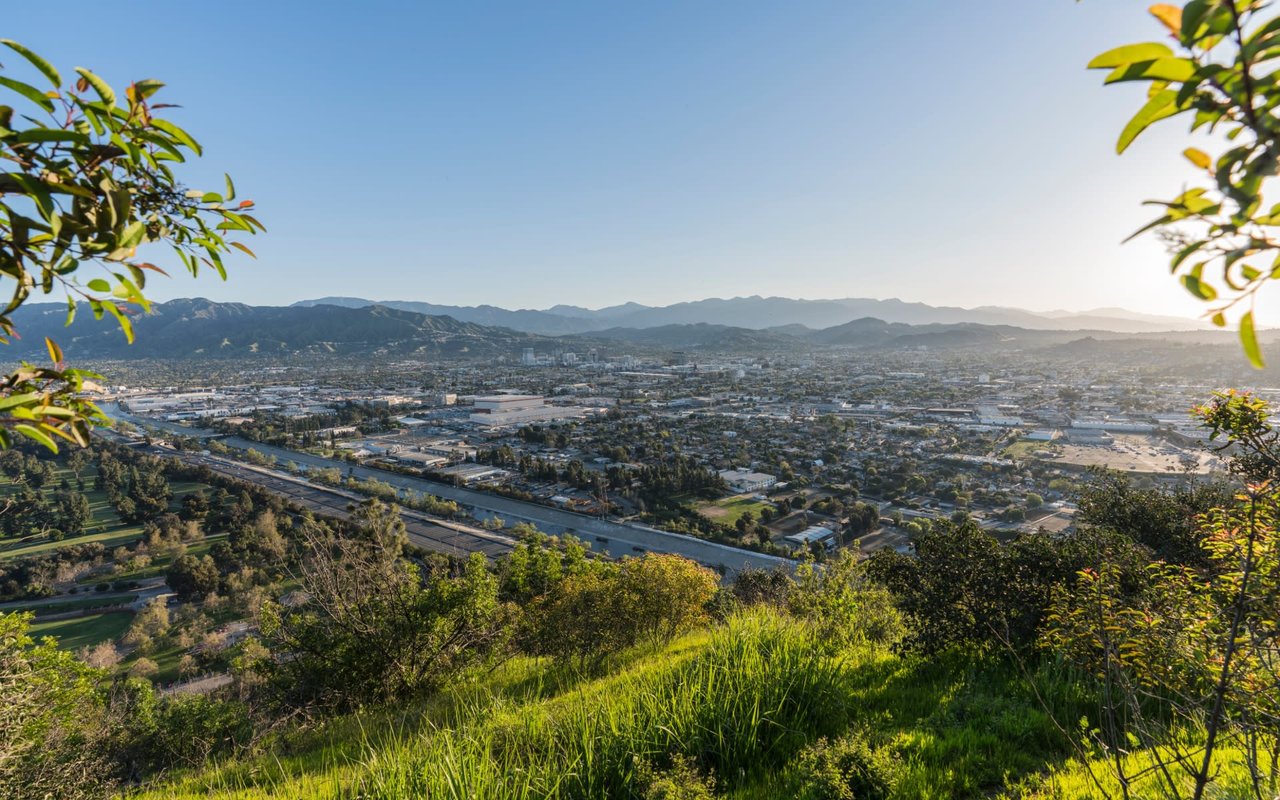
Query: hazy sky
(526,154)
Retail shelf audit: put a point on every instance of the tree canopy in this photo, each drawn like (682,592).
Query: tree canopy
(1218,66)
(89,178)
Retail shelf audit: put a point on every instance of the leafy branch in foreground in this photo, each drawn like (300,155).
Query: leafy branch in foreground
(1196,649)
(86,181)
(1222,237)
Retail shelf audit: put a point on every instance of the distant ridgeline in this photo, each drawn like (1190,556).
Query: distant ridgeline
(198,328)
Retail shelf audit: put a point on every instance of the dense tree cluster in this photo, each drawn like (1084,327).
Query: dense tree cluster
(139,491)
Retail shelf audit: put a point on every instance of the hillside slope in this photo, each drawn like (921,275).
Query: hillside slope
(742,705)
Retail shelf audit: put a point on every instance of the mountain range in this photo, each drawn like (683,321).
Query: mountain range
(759,313)
(199,328)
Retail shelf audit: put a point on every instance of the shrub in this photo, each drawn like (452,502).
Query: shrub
(50,722)
(846,769)
(682,781)
(841,606)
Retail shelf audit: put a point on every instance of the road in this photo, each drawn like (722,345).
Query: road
(435,535)
(606,536)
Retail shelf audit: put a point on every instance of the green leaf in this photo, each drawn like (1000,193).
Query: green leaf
(28,91)
(37,190)
(99,85)
(39,63)
(37,135)
(178,133)
(1128,54)
(147,87)
(35,434)
(1192,14)
(231,188)
(1161,69)
(126,325)
(133,235)
(1155,223)
(1249,340)
(99,285)
(1185,253)
(1157,108)
(1199,288)
(18,399)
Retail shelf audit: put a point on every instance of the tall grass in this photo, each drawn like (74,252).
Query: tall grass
(741,707)
(1096,779)
(739,701)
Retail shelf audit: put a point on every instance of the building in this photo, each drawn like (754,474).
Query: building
(420,460)
(1043,435)
(814,533)
(475,473)
(1112,425)
(528,358)
(1089,436)
(499,410)
(742,481)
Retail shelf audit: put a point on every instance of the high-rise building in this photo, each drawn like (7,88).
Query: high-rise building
(528,359)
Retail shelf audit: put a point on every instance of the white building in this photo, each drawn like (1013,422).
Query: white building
(1043,435)
(499,410)
(741,480)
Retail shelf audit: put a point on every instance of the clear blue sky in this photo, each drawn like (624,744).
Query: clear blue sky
(526,154)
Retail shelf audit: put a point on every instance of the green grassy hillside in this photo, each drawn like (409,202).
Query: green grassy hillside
(738,708)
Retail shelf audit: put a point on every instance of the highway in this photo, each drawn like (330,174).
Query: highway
(605,536)
(435,535)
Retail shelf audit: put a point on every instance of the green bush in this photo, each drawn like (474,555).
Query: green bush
(848,768)
(682,781)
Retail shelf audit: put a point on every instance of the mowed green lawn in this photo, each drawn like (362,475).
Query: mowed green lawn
(74,603)
(72,634)
(727,510)
(107,528)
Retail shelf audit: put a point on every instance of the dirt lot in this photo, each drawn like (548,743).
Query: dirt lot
(1136,453)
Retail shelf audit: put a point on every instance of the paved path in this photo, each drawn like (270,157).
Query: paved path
(204,685)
